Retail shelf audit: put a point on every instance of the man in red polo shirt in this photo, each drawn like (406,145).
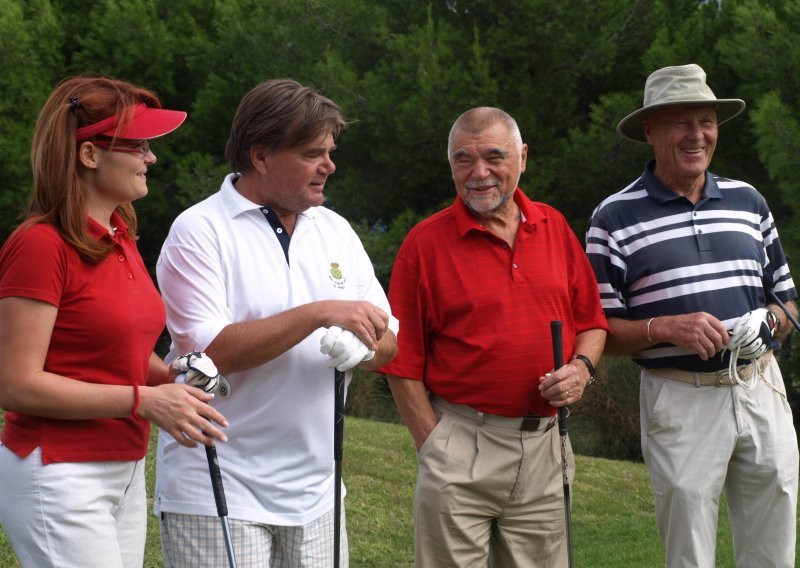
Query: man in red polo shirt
(475,287)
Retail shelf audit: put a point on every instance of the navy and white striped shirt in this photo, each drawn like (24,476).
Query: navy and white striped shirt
(656,253)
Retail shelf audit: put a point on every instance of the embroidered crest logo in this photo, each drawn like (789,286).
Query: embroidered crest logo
(336,276)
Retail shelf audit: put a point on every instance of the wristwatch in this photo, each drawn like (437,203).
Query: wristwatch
(588,363)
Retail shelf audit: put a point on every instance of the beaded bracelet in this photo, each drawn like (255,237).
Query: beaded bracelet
(136,399)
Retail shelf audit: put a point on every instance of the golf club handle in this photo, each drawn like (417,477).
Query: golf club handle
(558,362)
(555,336)
(216,481)
(338,440)
(562,421)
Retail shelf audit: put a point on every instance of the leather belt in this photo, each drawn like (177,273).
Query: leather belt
(528,423)
(721,378)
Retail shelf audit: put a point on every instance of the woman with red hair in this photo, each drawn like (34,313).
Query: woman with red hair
(79,319)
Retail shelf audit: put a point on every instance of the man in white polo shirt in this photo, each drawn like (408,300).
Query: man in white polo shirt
(253,276)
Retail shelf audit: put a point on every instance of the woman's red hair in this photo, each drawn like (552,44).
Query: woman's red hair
(58,195)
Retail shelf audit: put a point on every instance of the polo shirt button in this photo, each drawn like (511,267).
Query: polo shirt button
(279,230)
(514,265)
(121,258)
(130,276)
(505,245)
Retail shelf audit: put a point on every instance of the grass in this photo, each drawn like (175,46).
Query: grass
(612,516)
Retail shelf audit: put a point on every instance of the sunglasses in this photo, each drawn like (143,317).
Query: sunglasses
(122,145)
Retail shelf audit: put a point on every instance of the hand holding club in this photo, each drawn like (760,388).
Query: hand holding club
(344,348)
(753,334)
(199,371)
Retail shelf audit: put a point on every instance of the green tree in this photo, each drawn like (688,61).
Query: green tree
(765,55)
(403,115)
(402,72)
(127,39)
(777,131)
(766,52)
(607,162)
(551,61)
(29,52)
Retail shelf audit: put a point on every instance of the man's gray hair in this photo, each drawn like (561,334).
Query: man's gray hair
(479,119)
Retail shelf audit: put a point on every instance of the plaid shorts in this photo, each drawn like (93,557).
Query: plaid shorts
(188,541)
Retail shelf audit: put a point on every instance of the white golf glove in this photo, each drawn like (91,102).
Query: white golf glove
(344,348)
(753,334)
(199,371)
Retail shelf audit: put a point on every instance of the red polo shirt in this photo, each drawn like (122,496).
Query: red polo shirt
(109,318)
(475,314)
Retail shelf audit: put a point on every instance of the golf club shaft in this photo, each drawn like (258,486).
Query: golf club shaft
(226,534)
(558,362)
(338,450)
(219,499)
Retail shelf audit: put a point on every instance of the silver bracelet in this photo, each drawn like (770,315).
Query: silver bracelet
(650,339)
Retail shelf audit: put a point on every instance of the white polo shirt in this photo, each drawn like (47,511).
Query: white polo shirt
(223,263)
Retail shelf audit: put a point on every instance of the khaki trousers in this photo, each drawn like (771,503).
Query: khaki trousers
(700,441)
(490,496)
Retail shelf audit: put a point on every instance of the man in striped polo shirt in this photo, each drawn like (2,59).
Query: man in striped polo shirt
(475,287)
(686,263)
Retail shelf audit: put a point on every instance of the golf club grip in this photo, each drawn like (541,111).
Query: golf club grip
(338,439)
(555,336)
(558,362)
(216,481)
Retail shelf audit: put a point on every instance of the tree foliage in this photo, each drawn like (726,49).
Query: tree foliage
(403,71)
(30,43)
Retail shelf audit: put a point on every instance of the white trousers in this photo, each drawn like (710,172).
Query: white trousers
(87,515)
(699,441)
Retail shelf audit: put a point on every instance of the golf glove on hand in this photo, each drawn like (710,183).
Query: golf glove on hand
(199,370)
(753,334)
(344,347)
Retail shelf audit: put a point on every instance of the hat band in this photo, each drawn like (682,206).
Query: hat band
(110,123)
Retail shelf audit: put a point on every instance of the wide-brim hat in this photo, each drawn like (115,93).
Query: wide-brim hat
(139,122)
(677,86)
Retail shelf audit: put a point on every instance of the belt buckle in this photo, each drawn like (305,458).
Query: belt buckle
(724,379)
(530,423)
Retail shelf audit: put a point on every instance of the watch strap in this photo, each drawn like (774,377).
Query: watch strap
(588,363)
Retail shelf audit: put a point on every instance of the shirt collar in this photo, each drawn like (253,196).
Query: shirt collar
(530,214)
(98,231)
(662,194)
(236,204)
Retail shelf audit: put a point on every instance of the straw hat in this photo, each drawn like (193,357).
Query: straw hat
(676,86)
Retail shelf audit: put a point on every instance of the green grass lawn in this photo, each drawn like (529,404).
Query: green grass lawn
(612,516)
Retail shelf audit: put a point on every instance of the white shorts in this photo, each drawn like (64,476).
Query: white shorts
(90,514)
